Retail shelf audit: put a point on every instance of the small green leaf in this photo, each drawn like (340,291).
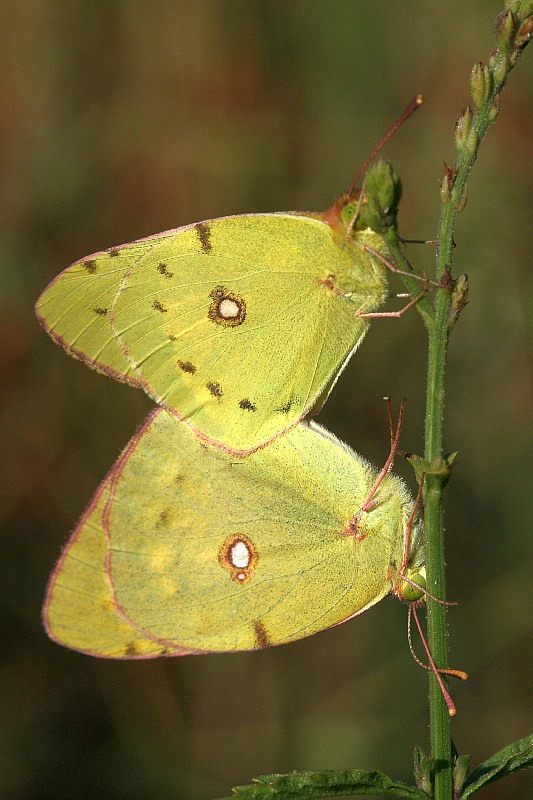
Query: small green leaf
(459,299)
(460,771)
(311,785)
(419,464)
(423,767)
(516,756)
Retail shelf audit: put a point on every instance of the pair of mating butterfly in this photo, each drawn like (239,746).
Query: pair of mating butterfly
(213,531)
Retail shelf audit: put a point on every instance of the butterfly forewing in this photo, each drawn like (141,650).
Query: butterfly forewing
(233,324)
(236,325)
(75,308)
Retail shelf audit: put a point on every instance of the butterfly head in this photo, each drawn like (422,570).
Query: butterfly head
(374,206)
(411,585)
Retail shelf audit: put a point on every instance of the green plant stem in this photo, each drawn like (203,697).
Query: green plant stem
(440,734)
(486,85)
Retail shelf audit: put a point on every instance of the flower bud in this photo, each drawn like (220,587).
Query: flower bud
(494,108)
(500,70)
(447,183)
(463,127)
(459,299)
(461,203)
(480,83)
(494,58)
(472,142)
(505,30)
(524,33)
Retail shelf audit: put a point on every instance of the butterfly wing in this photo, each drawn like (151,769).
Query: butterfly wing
(75,308)
(235,324)
(213,554)
(79,609)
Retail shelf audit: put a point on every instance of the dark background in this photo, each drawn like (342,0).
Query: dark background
(121,119)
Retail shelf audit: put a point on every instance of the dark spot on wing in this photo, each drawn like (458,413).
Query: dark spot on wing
(214,388)
(246,404)
(186,366)
(163,517)
(113,253)
(179,478)
(130,649)
(285,408)
(162,269)
(204,234)
(90,266)
(100,311)
(157,306)
(172,337)
(260,634)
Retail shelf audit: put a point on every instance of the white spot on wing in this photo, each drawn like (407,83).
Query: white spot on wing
(228,309)
(239,555)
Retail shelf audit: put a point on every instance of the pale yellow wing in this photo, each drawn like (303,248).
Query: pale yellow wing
(212,553)
(75,308)
(237,325)
(79,610)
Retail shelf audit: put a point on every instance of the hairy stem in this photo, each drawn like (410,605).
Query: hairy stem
(513,31)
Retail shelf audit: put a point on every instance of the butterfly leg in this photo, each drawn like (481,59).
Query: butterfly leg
(369,503)
(401,311)
(409,526)
(393,268)
(419,241)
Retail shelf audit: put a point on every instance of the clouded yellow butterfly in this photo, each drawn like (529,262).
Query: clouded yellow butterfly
(186,549)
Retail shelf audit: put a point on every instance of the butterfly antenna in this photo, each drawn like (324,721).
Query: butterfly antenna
(415,103)
(456,673)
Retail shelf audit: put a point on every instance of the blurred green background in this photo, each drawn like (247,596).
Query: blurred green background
(121,119)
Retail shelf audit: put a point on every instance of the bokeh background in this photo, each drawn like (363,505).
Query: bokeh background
(122,119)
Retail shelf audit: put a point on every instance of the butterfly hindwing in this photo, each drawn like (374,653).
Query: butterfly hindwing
(217,554)
(79,609)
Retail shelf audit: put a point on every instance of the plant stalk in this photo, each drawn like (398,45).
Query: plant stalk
(440,731)
(513,31)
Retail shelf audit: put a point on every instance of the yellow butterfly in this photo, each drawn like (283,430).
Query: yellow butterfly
(236,325)
(185,549)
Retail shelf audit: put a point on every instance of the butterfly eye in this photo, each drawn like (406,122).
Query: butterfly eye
(410,592)
(227,308)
